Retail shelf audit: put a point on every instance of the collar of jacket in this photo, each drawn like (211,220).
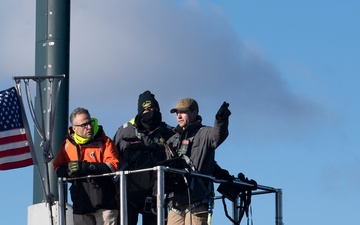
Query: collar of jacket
(99,135)
(195,126)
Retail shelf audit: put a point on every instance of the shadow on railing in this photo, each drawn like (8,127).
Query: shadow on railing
(160,198)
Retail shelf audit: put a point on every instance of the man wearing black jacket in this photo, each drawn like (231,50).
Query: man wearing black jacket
(141,144)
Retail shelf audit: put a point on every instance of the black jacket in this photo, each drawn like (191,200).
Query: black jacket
(139,149)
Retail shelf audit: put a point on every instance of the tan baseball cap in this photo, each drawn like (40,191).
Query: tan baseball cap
(185,104)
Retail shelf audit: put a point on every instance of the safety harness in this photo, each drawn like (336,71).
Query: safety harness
(184,152)
(136,154)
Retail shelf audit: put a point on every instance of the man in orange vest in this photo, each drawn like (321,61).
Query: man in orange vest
(88,151)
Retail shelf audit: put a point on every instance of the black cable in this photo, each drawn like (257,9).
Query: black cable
(226,212)
(189,197)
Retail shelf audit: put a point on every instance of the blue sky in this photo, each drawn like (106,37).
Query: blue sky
(289,70)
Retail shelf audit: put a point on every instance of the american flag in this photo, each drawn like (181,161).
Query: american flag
(15,146)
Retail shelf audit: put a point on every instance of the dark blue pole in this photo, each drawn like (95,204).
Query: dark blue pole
(52,50)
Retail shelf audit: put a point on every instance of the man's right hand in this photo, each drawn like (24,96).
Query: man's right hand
(74,168)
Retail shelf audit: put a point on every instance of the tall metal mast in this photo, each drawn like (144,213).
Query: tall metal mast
(52,51)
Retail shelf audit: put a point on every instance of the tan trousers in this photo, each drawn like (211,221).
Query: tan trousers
(199,216)
(100,217)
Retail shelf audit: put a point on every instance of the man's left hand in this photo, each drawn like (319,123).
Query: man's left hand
(224,112)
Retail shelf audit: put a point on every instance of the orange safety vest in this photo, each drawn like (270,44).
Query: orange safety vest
(102,150)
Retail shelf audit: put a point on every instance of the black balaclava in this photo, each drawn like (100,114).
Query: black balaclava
(152,119)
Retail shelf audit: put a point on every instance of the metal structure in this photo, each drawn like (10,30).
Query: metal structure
(160,198)
(44,127)
(52,52)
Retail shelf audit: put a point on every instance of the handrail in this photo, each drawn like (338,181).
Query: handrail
(16,78)
(160,199)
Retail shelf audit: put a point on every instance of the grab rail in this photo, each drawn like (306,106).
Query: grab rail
(160,198)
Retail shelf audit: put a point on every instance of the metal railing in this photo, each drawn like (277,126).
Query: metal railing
(160,198)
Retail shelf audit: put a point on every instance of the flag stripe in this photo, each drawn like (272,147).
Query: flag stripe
(16,143)
(15,158)
(15,151)
(12,139)
(9,133)
(18,164)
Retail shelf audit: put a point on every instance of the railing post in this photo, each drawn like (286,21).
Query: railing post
(160,198)
(236,205)
(62,202)
(278,212)
(123,199)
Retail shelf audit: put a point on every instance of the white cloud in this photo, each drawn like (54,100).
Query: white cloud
(120,49)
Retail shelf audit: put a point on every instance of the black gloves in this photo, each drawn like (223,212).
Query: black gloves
(224,112)
(242,178)
(78,168)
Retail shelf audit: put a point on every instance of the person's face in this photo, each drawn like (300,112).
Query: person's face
(149,110)
(83,126)
(184,118)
